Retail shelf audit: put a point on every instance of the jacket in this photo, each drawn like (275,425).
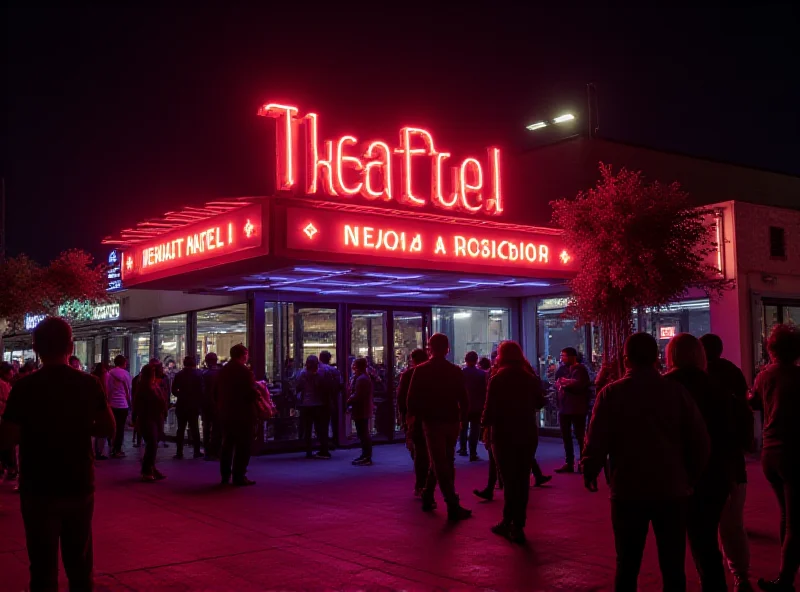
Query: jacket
(313,388)
(148,407)
(476,381)
(778,389)
(653,433)
(574,400)
(237,393)
(514,398)
(716,407)
(438,393)
(187,387)
(210,395)
(360,401)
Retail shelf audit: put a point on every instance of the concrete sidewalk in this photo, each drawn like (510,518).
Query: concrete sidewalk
(326,525)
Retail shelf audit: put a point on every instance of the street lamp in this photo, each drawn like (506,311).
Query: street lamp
(542,124)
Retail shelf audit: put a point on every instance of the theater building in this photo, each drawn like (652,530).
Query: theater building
(367,246)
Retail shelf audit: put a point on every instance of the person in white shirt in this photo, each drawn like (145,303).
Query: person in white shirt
(119,399)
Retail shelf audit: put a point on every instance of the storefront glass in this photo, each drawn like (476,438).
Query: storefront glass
(293,333)
(687,316)
(556,333)
(774,312)
(140,352)
(98,351)
(472,329)
(81,351)
(116,347)
(171,341)
(368,340)
(409,334)
(220,329)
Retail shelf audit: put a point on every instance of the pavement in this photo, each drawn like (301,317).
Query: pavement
(326,525)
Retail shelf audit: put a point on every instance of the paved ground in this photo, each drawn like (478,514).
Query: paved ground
(317,525)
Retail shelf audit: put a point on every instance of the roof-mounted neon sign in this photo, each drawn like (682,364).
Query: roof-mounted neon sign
(347,167)
(220,239)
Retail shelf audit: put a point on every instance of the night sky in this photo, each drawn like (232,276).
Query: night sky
(118,114)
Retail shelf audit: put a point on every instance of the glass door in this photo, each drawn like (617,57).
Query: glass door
(410,332)
(368,339)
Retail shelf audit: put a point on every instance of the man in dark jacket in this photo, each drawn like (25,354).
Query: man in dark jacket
(237,404)
(334,384)
(476,381)
(361,409)
(438,398)
(212,430)
(732,534)
(659,447)
(573,405)
(188,390)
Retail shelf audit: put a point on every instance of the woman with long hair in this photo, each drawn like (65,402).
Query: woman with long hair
(686,364)
(777,388)
(148,416)
(511,416)
(100,372)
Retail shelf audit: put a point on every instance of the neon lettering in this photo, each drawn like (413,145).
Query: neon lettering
(368,237)
(383,167)
(350,235)
(351,161)
(544,254)
(284,142)
(416,244)
(460,246)
(329,169)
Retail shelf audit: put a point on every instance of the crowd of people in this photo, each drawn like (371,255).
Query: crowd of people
(671,444)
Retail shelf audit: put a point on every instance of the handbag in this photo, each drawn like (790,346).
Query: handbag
(265,408)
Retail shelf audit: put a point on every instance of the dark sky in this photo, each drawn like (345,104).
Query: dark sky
(120,113)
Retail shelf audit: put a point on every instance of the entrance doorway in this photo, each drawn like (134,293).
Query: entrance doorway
(385,337)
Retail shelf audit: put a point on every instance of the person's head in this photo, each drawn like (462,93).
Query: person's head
(641,351)
(239,353)
(569,356)
(189,362)
(471,358)
(28,367)
(6,371)
(418,356)
(121,362)
(509,352)
(685,351)
(52,340)
(148,375)
(439,345)
(158,367)
(75,362)
(485,364)
(359,366)
(100,369)
(211,360)
(312,364)
(713,346)
(783,344)
(325,357)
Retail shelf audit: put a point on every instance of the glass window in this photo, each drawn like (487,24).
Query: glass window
(292,333)
(471,329)
(81,350)
(556,333)
(116,347)
(687,316)
(368,340)
(171,341)
(140,352)
(220,329)
(98,350)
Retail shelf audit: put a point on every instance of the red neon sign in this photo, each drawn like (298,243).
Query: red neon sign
(217,240)
(346,167)
(463,247)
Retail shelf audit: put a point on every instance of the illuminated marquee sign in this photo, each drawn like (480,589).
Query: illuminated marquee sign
(78,311)
(347,167)
(457,246)
(667,332)
(217,240)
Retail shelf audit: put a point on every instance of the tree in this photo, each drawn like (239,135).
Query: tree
(639,245)
(27,287)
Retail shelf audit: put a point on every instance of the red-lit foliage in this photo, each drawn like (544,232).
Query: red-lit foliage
(28,287)
(639,244)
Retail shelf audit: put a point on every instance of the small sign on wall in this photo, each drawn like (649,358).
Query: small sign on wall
(667,332)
